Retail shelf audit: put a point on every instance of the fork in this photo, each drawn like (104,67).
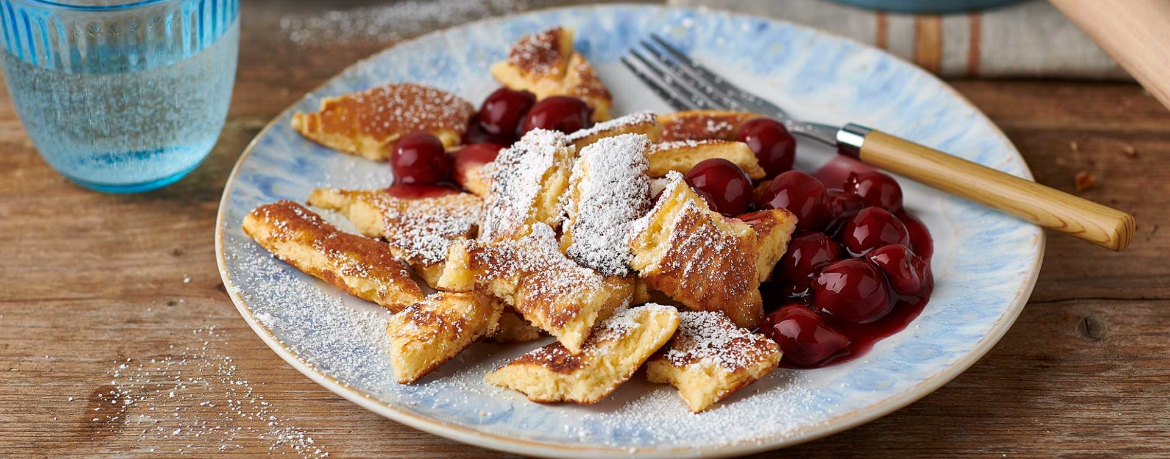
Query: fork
(689,85)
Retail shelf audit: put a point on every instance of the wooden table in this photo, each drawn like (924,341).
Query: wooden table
(117,338)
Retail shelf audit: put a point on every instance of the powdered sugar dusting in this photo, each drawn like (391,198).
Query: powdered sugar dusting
(537,254)
(538,54)
(618,123)
(393,110)
(611,190)
(664,186)
(520,171)
(345,339)
(660,413)
(424,228)
(709,338)
(677,144)
(195,394)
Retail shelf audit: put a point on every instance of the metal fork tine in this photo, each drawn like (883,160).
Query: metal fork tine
(675,101)
(672,81)
(681,57)
(718,98)
(730,91)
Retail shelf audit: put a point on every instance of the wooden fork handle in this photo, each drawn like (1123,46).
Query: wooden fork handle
(1044,206)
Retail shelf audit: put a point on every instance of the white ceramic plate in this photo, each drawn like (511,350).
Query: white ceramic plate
(985,262)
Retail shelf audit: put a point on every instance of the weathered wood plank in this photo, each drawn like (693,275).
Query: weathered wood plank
(88,280)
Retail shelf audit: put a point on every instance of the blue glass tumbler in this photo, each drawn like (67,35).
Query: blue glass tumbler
(121,96)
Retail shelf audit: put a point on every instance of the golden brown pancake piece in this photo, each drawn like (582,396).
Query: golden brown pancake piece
(362,267)
(417,230)
(702,124)
(531,275)
(773,231)
(615,351)
(683,155)
(645,123)
(546,65)
(526,188)
(698,257)
(428,333)
(369,123)
(710,358)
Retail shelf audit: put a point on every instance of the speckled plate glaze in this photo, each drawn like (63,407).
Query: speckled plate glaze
(986,263)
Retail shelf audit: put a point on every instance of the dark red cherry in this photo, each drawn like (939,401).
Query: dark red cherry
(841,207)
(410,191)
(420,158)
(876,190)
(920,240)
(476,133)
(558,113)
(853,290)
(871,228)
(806,255)
(800,194)
(804,337)
(728,186)
(774,147)
(908,273)
(471,158)
(504,109)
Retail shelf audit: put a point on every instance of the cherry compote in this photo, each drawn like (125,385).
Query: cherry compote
(558,113)
(504,110)
(907,273)
(476,133)
(841,206)
(806,255)
(871,228)
(853,290)
(774,147)
(800,194)
(423,191)
(805,339)
(419,158)
(853,303)
(728,188)
(875,189)
(471,158)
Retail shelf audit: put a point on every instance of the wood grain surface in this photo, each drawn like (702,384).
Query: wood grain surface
(117,338)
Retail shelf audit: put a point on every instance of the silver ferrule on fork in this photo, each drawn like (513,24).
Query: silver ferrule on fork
(850,138)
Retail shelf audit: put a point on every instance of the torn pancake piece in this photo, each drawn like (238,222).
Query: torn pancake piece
(698,257)
(546,64)
(532,276)
(683,155)
(418,230)
(527,184)
(710,358)
(428,333)
(703,124)
(369,123)
(615,351)
(773,229)
(608,190)
(360,266)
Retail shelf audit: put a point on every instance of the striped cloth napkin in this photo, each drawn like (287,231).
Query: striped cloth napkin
(1029,39)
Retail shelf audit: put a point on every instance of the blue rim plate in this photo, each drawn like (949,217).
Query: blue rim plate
(986,263)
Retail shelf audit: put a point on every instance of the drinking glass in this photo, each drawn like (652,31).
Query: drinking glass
(121,96)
